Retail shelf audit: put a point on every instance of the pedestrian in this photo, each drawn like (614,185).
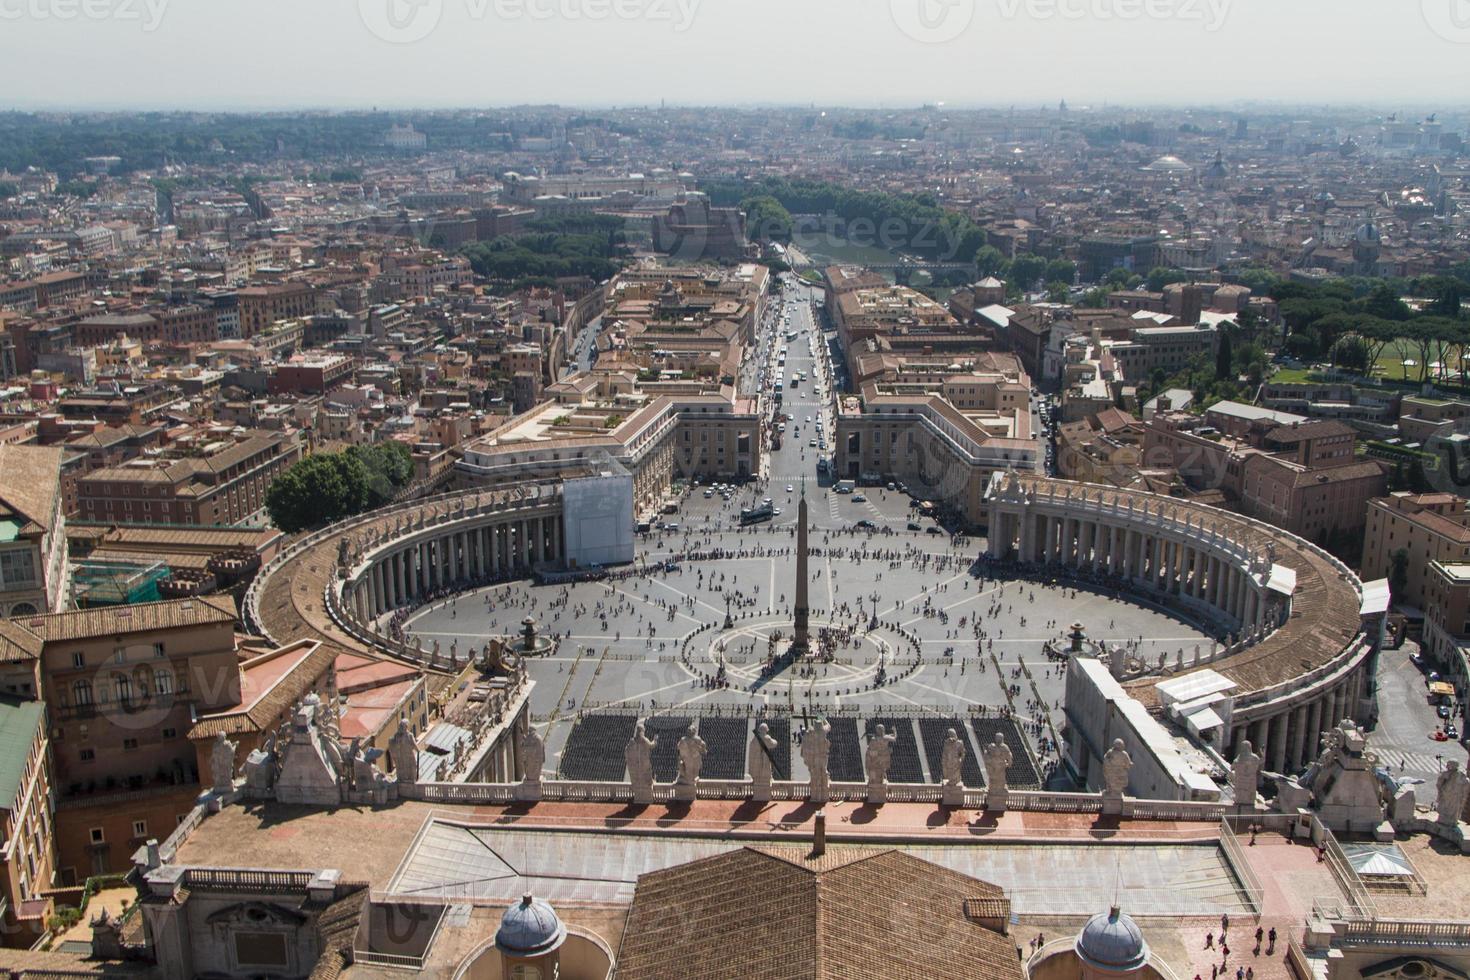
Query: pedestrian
(1210,939)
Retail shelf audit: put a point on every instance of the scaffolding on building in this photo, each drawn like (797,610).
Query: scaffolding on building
(116,583)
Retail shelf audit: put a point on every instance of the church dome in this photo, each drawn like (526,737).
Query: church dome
(1169,164)
(1112,941)
(530,928)
(1367,234)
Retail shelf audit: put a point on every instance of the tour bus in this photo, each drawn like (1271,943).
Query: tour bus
(755,515)
(822,465)
(846,486)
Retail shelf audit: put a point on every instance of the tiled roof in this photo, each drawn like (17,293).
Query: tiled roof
(261,713)
(30,480)
(144,617)
(777,914)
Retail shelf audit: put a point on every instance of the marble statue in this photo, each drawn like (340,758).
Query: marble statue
(952,759)
(404,751)
(1454,787)
(815,748)
(1245,774)
(222,764)
(879,758)
(638,754)
(533,757)
(1116,766)
(692,750)
(998,758)
(951,762)
(760,761)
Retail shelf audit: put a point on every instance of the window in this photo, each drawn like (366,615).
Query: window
(98,837)
(123,685)
(87,755)
(262,949)
(81,693)
(17,568)
(158,650)
(140,828)
(130,744)
(170,733)
(78,659)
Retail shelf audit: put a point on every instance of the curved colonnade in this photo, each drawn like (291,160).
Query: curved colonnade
(1301,652)
(336,584)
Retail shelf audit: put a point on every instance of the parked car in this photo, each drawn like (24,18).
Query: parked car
(858,498)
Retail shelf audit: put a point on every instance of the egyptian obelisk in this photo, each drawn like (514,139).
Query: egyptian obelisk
(799,642)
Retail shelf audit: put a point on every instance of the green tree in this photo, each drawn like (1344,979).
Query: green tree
(1351,353)
(1398,573)
(1161,276)
(1225,358)
(319,489)
(1061,270)
(766,220)
(1026,269)
(989,261)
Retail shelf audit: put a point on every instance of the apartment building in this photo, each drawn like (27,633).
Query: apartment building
(1302,476)
(221,482)
(121,685)
(1425,528)
(261,306)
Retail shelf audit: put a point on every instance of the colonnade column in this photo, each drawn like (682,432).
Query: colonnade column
(1278,743)
(1298,737)
(1314,725)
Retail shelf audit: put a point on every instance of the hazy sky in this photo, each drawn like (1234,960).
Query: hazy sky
(430,53)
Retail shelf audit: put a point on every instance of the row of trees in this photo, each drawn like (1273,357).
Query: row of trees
(1024,272)
(326,487)
(1328,321)
(545,256)
(904,222)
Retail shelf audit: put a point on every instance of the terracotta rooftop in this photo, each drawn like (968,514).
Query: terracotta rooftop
(30,481)
(144,617)
(853,914)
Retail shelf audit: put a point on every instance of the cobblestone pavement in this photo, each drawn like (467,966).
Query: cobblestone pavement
(621,640)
